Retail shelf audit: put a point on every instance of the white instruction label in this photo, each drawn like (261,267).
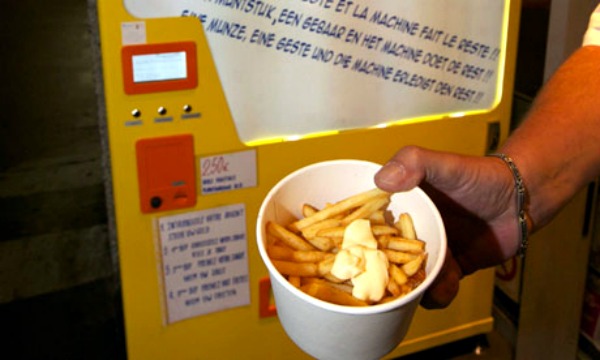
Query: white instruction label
(204,261)
(228,172)
(133,33)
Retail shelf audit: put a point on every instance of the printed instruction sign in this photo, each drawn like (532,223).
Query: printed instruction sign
(298,67)
(204,261)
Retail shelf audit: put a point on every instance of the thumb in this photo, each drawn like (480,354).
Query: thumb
(413,165)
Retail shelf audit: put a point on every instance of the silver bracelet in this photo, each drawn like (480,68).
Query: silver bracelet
(521,199)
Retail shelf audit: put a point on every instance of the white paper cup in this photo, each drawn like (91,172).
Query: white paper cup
(329,331)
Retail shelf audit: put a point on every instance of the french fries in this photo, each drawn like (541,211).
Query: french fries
(406,226)
(323,291)
(292,240)
(337,208)
(305,250)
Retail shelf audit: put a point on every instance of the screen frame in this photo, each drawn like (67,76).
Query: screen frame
(133,88)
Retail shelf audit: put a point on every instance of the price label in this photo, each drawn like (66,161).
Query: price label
(227,172)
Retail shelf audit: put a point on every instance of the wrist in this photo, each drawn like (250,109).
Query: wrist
(523,222)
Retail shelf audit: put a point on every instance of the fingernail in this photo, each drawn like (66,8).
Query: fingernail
(391,173)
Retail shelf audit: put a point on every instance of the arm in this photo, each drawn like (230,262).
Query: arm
(557,150)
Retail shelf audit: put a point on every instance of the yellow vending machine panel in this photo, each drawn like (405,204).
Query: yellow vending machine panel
(209,103)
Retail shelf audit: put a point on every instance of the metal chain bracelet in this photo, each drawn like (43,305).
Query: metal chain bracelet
(521,199)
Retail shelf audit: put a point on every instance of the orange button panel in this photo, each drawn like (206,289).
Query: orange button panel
(166,173)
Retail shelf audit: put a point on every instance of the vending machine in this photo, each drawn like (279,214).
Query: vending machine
(208,103)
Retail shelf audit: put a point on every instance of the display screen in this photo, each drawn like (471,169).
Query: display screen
(159,67)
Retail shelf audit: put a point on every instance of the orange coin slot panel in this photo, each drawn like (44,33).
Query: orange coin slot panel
(166,173)
(152,68)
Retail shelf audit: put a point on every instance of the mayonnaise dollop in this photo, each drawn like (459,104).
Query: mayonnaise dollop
(360,261)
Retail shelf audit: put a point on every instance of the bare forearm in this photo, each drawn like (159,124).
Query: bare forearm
(557,148)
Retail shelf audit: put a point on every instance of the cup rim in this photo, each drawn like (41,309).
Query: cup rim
(354,310)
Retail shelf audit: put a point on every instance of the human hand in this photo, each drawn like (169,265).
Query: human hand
(476,198)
